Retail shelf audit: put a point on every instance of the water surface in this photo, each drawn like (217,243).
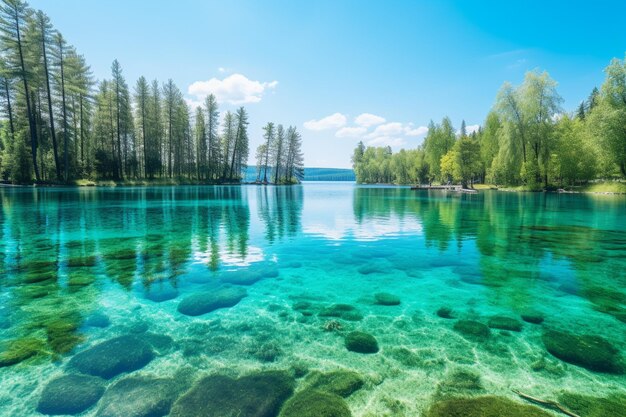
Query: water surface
(83,266)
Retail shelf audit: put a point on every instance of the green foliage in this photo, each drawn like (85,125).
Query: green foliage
(526,141)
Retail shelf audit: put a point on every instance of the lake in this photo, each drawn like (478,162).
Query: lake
(370,301)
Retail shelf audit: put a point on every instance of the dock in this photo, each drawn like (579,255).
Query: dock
(456,188)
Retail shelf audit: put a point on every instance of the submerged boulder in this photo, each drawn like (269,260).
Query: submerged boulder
(19,350)
(592,352)
(98,320)
(361,342)
(386,299)
(342,311)
(205,302)
(139,397)
(256,395)
(505,323)
(446,313)
(314,403)
(472,329)
(113,357)
(70,394)
(487,406)
(588,406)
(342,382)
(532,317)
(159,292)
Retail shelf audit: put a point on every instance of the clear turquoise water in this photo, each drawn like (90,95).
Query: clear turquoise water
(68,256)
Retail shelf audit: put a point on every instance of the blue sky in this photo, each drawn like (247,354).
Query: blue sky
(321,64)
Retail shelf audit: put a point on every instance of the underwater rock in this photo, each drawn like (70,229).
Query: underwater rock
(70,394)
(588,406)
(342,383)
(472,329)
(266,352)
(505,323)
(113,357)
(372,269)
(250,275)
(205,302)
(98,320)
(446,313)
(160,343)
(342,311)
(361,342)
(591,352)
(487,406)
(159,292)
(313,403)
(139,397)
(460,382)
(19,350)
(386,299)
(255,395)
(532,317)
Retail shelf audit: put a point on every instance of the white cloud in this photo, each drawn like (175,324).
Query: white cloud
(388,129)
(369,119)
(221,69)
(334,121)
(350,132)
(418,131)
(234,89)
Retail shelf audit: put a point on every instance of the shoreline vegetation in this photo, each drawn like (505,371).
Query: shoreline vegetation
(528,142)
(59,125)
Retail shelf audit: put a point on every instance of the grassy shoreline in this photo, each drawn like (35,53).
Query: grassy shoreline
(604,187)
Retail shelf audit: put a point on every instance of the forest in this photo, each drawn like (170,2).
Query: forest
(527,140)
(58,125)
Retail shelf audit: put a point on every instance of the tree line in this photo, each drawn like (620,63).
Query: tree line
(279,157)
(527,139)
(57,124)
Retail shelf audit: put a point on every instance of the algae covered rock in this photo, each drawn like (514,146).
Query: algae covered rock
(361,342)
(139,397)
(472,329)
(342,383)
(343,311)
(386,299)
(19,350)
(588,406)
(256,395)
(591,352)
(70,394)
(313,403)
(505,323)
(532,317)
(487,406)
(206,302)
(113,357)
(446,313)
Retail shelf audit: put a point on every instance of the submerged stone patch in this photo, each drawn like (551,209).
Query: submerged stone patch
(314,403)
(472,329)
(342,382)
(160,292)
(505,323)
(70,394)
(588,406)
(446,313)
(19,350)
(487,406)
(591,352)
(532,317)
(342,311)
(386,299)
(113,357)
(256,395)
(361,342)
(139,397)
(206,302)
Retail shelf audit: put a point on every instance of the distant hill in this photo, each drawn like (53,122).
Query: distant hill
(314,174)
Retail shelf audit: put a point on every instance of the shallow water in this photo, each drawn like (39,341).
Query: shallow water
(82,266)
